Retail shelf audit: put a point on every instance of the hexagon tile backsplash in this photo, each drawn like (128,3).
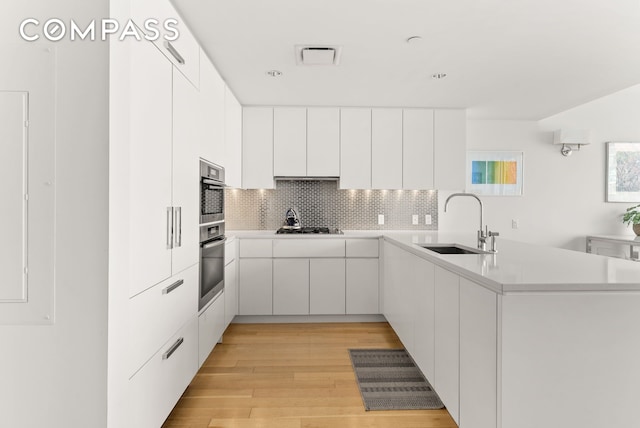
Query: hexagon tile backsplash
(321,203)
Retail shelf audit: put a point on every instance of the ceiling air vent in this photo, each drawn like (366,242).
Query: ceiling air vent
(317,55)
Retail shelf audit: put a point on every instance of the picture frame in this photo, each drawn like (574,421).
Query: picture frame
(623,171)
(495,173)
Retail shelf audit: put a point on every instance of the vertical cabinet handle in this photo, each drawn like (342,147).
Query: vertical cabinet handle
(172,349)
(177,228)
(169,228)
(174,52)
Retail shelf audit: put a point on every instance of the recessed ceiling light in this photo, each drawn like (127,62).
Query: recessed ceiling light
(438,76)
(274,73)
(414,39)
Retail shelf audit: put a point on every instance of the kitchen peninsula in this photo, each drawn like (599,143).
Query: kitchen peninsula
(530,336)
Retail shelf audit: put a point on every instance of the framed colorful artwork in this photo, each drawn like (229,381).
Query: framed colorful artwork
(495,173)
(623,172)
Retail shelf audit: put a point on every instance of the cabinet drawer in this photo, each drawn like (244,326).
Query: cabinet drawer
(210,327)
(256,248)
(362,247)
(183,52)
(230,251)
(308,248)
(157,387)
(159,312)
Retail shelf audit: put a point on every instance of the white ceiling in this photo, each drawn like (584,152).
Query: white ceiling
(505,59)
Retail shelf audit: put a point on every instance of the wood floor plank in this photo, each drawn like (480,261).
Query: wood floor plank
(291,376)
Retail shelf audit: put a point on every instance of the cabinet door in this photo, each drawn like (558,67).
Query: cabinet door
(386,148)
(323,142)
(211,120)
(398,300)
(186,174)
(257,145)
(327,286)
(424,299)
(157,387)
(362,286)
(478,356)
(183,52)
(232,139)
(291,286)
(230,292)
(355,148)
(150,156)
(417,149)
(450,140)
(447,334)
(211,325)
(255,289)
(289,142)
(158,313)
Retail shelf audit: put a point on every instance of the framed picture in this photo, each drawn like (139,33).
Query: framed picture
(623,172)
(495,173)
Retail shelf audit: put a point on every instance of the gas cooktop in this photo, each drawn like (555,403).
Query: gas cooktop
(311,230)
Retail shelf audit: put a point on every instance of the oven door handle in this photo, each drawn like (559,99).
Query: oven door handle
(216,243)
(213,182)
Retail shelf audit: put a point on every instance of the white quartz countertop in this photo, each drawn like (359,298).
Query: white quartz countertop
(521,267)
(517,267)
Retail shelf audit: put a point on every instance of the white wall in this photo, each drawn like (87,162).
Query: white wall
(56,375)
(563,197)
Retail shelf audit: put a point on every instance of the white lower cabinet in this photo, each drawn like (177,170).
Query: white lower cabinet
(308,276)
(478,356)
(158,385)
(423,277)
(159,312)
(362,286)
(327,286)
(291,286)
(255,283)
(447,340)
(211,325)
(230,292)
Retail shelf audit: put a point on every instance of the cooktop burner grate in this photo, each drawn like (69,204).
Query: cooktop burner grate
(305,230)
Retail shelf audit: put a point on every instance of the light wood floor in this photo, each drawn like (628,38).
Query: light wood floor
(291,376)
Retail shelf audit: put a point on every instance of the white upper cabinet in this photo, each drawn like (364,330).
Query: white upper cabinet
(417,149)
(323,142)
(257,148)
(232,139)
(386,148)
(150,156)
(184,51)
(355,148)
(450,152)
(211,113)
(290,142)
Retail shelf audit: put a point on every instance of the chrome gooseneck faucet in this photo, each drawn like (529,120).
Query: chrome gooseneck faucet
(483,232)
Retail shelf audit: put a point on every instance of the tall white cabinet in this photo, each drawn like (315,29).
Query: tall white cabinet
(257,148)
(323,142)
(151,158)
(355,148)
(211,124)
(450,134)
(386,148)
(289,142)
(418,149)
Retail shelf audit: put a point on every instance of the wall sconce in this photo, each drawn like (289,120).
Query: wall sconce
(570,139)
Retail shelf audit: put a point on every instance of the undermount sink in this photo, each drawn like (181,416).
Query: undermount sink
(452,249)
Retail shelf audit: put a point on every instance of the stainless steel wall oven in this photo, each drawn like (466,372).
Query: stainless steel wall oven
(211,192)
(212,237)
